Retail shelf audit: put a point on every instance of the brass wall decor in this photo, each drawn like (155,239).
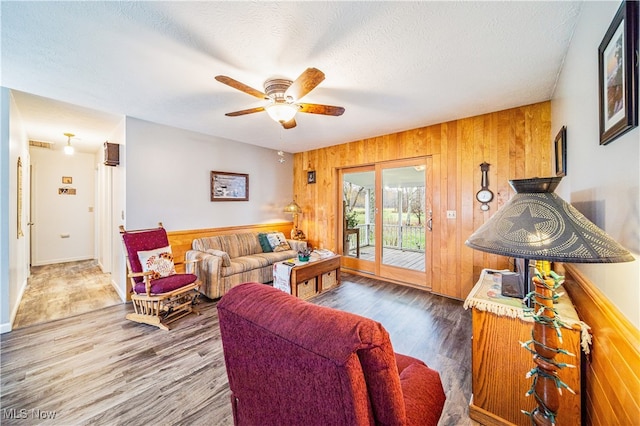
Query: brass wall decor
(19,224)
(485,195)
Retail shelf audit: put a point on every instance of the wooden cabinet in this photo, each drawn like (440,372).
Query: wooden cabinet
(314,277)
(500,363)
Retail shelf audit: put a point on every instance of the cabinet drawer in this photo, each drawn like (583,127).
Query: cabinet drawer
(307,289)
(329,280)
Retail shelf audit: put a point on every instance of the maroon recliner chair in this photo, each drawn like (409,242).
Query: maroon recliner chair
(290,362)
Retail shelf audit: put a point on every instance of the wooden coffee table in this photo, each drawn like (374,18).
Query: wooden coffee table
(315,276)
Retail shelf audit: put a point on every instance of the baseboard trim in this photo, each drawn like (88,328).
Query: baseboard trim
(56,261)
(388,280)
(486,418)
(14,311)
(5,327)
(123,296)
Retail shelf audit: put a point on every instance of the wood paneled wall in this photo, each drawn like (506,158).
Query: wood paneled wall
(612,374)
(516,142)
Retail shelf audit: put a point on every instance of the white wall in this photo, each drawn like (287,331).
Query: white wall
(168,179)
(15,248)
(602,181)
(5,305)
(163,176)
(64,224)
(112,192)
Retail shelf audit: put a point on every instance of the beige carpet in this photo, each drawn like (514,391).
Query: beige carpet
(64,290)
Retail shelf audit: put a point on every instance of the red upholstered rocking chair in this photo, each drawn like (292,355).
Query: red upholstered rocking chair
(159,295)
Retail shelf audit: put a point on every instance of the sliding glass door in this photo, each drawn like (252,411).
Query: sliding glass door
(387,219)
(358,218)
(403,217)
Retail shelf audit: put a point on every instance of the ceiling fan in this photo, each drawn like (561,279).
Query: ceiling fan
(284,97)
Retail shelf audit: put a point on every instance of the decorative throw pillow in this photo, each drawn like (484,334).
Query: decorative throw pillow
(278,242)
(264,242)
(159,260)
(226,260)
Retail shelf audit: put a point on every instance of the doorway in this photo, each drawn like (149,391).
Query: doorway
(386,220)
(66,277)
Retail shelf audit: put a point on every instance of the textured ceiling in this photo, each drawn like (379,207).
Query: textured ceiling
(392,65)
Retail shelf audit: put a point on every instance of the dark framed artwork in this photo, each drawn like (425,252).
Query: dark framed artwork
(618,74)
(311,176)
(560,152)
(227,186)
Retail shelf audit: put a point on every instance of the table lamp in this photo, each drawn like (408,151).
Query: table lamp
(536,224)
(295,210)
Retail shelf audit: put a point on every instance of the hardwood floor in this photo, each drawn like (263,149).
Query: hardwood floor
(98,368)
(432,328)
(63,290)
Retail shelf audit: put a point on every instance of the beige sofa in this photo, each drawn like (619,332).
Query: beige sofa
(229,260)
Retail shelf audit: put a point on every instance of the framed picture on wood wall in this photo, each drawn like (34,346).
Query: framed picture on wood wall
(311,176)
(618,74)
(227,186)
(560,152)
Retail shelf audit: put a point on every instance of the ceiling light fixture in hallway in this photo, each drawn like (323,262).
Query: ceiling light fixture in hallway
(68,149)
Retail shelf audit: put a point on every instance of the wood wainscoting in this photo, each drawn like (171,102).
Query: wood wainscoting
(611,378)
(180,241)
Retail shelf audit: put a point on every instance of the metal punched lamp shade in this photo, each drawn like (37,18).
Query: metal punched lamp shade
(537,224)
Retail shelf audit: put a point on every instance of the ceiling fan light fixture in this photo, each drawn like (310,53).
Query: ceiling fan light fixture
(283,97)
(281,112)
(68,149)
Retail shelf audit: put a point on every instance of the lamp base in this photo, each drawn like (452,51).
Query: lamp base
(523,268)
(297,234)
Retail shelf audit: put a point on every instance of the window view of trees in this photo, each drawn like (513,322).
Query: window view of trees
(399,215)
(402,218)
(402,207)
(353,196)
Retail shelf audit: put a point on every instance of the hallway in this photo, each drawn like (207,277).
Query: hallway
(64,290)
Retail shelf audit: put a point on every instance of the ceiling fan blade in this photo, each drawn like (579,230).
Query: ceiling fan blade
(244,112)
(289,124)
(321,109)
(241,86)
(307,81)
